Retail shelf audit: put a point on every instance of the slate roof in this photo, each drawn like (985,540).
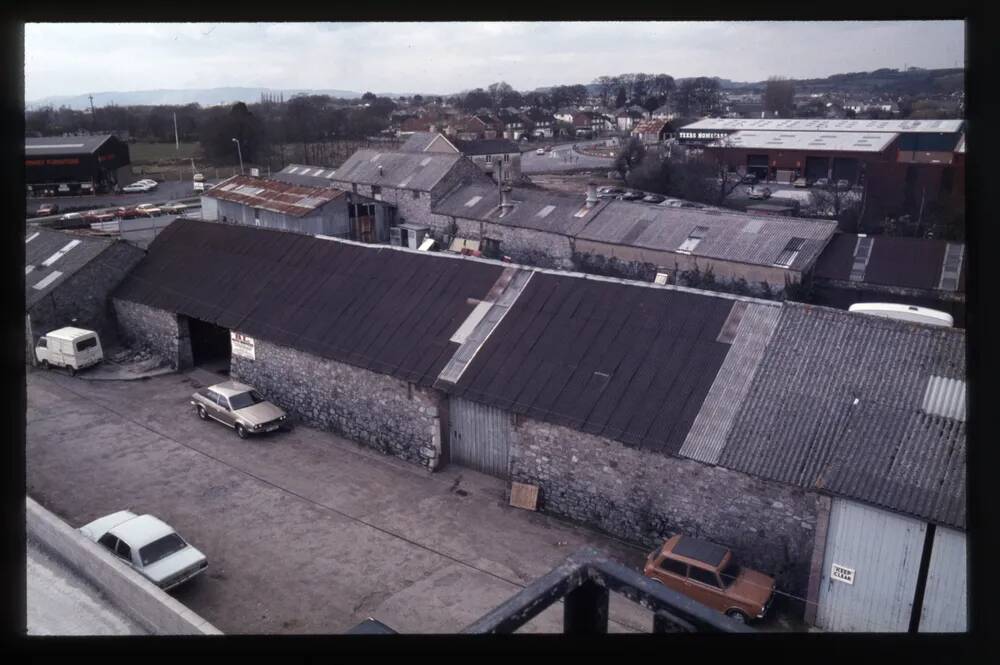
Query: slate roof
(382,309)
(64,145)
(825,125)
(629,362)
(43,244)
(906,262)
(486,147)
(420,141)
(307,176)
(528,203)
(731,236)
(836,404)
(274,195)
(419,171)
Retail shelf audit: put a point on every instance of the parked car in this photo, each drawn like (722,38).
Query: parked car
(147,209)
(199,187)
(47,209)
(631,196)
(821,182)
(127,212)
(609,192)
(73,348)
(761,193)
(150,546)
(801,182)
(98,217)
(710,574)
(653,198)
(173,208)
(540,151)
(140,186)
(749,179)
(239,406)
(843,184)
(70,216)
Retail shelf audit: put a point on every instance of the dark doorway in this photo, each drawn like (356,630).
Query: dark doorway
(817,167)
(845,168)
(758,166)
(210,344)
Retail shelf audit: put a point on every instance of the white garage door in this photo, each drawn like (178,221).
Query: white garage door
(877,554)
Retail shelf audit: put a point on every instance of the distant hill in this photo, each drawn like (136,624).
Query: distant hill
(203,96)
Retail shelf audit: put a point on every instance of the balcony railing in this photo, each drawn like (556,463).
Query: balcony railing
(584,582)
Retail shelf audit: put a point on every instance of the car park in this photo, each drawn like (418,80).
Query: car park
(47,209)
(150,546)
(239,406)
(72,348)
(709,574)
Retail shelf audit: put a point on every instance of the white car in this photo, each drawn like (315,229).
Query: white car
(70,215)
(149,545)
(140,186)
(540,151)
(147,209)
(174,208)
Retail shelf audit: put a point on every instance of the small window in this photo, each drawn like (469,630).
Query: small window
(416,194)
(376,190)
(506,158)
(489,159)
(791,251)
(223,402)
(705,577)
(88,343)
(109,542)
(674,566)
(43,343)
(693,239)
(491,248)
(123,550)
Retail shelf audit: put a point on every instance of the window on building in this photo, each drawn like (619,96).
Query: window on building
(947,179)
(376,190)
(693,239)
(788,254)
(506,158)
(416,194)
(491,248)
(674,566)
(705,577)
(489,159)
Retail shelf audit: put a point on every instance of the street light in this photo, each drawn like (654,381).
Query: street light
(240,153)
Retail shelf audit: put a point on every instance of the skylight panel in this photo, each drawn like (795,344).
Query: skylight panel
(32,237)
(790,252)
(62,252)
(546,211)
(473,201)
(51,277)
(693,240)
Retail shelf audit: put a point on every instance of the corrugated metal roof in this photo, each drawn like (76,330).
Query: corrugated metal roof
(824,125)
(386,310)
(64,259)
(297,174)
(273,195)
(363,168)
(650,127)
(836,393)
(945,397)
(727,238)
(629,362)
(829,140)
(528,203)
(65,145)
(905,262)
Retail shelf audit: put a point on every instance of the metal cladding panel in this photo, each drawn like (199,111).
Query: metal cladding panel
(480,437)
(833,381)
(385,310)
(824,125)
(945,397)
(708,433)
(810,140)
(610,358)
(945,606)
(884,550)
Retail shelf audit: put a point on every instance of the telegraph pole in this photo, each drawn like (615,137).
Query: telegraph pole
(93,115)
(177,141)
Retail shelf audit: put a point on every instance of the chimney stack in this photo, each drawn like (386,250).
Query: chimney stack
(591,194)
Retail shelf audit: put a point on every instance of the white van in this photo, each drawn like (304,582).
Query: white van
(74,348)
(912,313)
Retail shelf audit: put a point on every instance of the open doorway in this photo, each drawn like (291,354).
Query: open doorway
(210,346)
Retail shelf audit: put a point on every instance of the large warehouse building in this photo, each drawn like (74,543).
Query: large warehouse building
(72,165)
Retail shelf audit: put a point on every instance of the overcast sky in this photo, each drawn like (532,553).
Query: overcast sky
(64,59)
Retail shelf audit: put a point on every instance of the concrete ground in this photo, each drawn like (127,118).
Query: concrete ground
(60,602)
(305,532)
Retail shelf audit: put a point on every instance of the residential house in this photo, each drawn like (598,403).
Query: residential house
(514,124)
(627,118)
(542,124)
(651,132)
(494,156)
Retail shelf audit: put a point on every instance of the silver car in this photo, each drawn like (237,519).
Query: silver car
(149,546)
(239,406)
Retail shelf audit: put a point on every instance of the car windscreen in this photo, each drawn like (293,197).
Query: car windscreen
(243,400)
(88,343)
(730,573)
(160,549)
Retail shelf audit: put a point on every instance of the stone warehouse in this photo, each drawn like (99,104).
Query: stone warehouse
(68,279)
(640,409)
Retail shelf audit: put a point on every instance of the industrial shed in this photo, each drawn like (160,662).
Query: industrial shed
(281,206)
(912,271)
(68,279)
(73,165)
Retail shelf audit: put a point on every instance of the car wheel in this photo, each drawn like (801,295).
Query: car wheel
(201,413)
(45,365)
(241,431)
(737,616)
(72,371)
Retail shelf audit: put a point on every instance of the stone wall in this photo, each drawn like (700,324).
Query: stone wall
(379,411)
(160,331)
(526,246)
(646,497)
(82,299)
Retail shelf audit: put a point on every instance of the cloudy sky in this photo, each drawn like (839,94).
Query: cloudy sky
(67,58)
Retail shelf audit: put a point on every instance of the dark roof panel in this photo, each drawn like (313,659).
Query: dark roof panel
(386,310)
(905,262)
(700,550)
(65,145)
(66,254)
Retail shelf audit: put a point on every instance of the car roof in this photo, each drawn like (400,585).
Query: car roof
(141,530)
(230,388)
(102,525)
(697,550)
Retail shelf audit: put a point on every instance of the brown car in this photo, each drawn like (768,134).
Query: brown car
(709,574)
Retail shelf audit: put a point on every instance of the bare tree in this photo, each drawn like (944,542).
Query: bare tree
(779,96)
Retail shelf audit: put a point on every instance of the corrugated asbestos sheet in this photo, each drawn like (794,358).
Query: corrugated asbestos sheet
(708,432)
(836,403)
(622,361)
(421,171)
(906,262)
(665,229)
(63,257)
(385,310)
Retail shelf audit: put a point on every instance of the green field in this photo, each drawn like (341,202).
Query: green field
(154,153)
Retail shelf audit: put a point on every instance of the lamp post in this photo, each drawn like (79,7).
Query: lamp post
(240,153)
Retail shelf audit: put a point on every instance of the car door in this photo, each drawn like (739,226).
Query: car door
(704,586)
(225,413)
(124,552)
(673,574)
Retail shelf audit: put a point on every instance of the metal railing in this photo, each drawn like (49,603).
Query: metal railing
(584,582)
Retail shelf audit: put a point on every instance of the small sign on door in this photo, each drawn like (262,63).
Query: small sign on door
(242,345)
(842,573)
